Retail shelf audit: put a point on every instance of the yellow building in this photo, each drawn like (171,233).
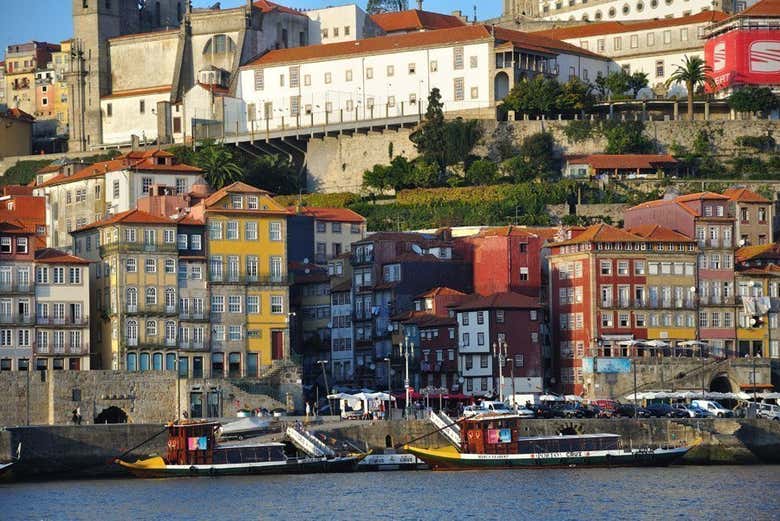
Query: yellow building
(669,293)
(134,290)
(757,324)
(249,290)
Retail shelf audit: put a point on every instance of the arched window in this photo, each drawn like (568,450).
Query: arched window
(170,300)
(151,296)
(170,361)
(170,332)
(131,332)
(157,360)
(132,299)
(144,361)
(132,362)
(219,44)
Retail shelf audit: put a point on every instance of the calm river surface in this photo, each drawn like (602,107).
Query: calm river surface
(718,493)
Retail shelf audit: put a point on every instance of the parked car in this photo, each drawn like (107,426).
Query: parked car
(542,411)
(664,410)
(607,407)
(626,410)
(768,411)
(487,407)
(715,408)
(690,411)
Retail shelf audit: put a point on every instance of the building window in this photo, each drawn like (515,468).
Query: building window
(150,266)
(369,73)
(457,55)
(390,70)
(275,231)
(142,106)
(458,86)
(277,304)
(232,230)
(659,68)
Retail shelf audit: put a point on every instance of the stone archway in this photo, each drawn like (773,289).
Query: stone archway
(501,85)
(112,414)
(721,383)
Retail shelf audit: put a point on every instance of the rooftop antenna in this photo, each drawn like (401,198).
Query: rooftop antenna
(419,5)
(475,13)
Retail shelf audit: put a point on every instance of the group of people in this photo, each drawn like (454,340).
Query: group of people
(76,418)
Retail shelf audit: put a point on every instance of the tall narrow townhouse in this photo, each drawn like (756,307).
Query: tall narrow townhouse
(705,217)
(247,269)
(758,300)
(342,333)
(753,217)
(135,281)
(194,304)
(62,316)
(17,293)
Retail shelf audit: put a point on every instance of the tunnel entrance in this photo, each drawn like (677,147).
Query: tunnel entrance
(721,384)
(111,414)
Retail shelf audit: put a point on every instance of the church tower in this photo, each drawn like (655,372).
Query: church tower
(94,22)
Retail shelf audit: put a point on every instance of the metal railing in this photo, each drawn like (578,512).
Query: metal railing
(81,320)
(16,318)
(16,287)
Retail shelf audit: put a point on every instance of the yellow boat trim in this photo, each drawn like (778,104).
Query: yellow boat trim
(155,463)
(446,453)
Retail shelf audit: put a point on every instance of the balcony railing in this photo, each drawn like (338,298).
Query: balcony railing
(361,259)
(16,318)
(16,287)
(194,346)
(200,315)
(151,309)
(63,349)
(131,247)
(80,320)
(263,280)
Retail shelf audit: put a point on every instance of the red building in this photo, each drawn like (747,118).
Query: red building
(745,48)
(17,201)
(507,258)
(502,318)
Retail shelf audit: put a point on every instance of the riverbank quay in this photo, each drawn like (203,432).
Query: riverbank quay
(87,451)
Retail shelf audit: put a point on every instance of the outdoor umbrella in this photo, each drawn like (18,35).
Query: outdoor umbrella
(632,343)
(694,343)
(657,344)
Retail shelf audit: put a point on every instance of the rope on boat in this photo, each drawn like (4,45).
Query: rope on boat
(128,451)
(399,445)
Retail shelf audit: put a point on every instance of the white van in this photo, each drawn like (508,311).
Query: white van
(768,411)
(713,408)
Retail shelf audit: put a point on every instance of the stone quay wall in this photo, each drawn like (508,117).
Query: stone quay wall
(49,397)
(723,441)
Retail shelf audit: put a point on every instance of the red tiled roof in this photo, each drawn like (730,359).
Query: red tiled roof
(507,300)
(678,201)
(769,269)
(699,196)
(16,190)
(137,160)
(624,161)
(415,20)
(53,256)
(10,223)
(439,291)
(424,319)
(129,217)
(19,114)
(236,188)
(601,233)
(762,8)
(602,28)
(744,195)
(329,214)
(436,38)
(658,233)
(747,253)
(267,7)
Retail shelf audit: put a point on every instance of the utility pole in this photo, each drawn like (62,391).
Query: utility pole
(325,377)
(406,350)
(500,354)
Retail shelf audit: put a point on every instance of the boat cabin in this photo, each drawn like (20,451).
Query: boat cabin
(500,434)
(191,443)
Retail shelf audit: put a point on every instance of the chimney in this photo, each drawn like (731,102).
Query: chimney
(419,5)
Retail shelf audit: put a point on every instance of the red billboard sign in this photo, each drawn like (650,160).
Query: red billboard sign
(744,58)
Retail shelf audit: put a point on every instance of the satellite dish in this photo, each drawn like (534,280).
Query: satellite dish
(305,260)
(416,249)
(461,379)
(372,367)
(359,362)
(741,242)
(307,271)
(390,328)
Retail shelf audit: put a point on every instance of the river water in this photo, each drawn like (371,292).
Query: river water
(727,493)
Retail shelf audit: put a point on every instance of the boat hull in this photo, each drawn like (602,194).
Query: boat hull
(450,459)
(157,468)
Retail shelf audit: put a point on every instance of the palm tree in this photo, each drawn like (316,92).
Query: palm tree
(693,73)
(218,163)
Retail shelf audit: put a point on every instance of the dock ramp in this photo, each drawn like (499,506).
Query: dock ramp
(309,443)
(447,426)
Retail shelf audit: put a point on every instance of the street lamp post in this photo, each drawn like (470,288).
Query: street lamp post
(389,390)
(500,353)
(406,350)
(325,377)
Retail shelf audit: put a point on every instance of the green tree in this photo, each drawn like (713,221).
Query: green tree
(386,6)
(219,164)
(535,97)
(275,173)
(753,99)
(430,138)
(626,137)
(637,81)
(379,178)
(482,172)
(575,96)
(460,138)
(535,160)
(694,72)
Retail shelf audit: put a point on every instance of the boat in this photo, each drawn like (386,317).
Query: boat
(193,450)
(390,460)
(495,441)
(7,465)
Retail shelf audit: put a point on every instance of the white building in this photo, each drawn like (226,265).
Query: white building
(654,47)
(622,10)
(475,360)
(473,66)
(78,195)
(61,311)
(343,23)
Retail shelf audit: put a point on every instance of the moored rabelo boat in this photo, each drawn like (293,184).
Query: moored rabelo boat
(494,441)
(193,450)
